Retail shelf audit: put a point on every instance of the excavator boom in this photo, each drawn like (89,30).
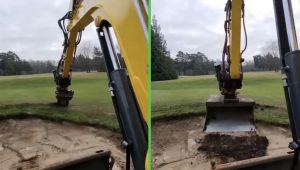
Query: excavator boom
(127,83)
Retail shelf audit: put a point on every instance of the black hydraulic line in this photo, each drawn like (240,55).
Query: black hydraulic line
(292,60)
(284,48)
(109,68)
(226,29)
(61,24)
(135,134)
(127,159)
(290,76)
(245,30)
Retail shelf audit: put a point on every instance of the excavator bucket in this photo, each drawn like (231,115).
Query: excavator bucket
(233,116)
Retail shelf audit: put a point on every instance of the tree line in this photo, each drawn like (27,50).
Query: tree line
(193,64)
(267,60)
(12,64)
(189,64)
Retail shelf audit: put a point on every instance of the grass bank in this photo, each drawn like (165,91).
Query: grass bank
(188,95)
(33,96)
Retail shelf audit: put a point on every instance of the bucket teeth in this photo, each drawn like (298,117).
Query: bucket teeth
(224,116)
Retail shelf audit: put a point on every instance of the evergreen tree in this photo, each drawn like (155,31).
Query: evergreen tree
(163,67)
(11,64)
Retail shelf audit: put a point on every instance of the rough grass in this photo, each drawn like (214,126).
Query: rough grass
(188,95)
(33,96)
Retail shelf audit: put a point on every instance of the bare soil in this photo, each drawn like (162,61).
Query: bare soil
(33,144)
(237,147)
(181,144)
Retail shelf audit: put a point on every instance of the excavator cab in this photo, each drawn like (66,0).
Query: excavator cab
(230,112)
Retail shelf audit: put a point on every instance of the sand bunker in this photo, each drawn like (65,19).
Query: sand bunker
(35,144)
(179,144)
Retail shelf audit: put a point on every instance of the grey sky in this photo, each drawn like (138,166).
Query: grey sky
(197,25)
(30,28)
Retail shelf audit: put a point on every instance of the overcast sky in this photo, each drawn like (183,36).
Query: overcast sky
(30,28)
(197,25)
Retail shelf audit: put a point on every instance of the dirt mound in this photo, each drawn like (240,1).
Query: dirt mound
(233,147)
(31,164)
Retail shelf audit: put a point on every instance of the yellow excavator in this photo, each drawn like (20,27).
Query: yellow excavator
(230,112)
(127,83)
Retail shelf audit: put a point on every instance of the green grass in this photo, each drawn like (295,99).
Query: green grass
(33,96)
(188,95)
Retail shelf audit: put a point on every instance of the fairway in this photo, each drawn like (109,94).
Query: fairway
(34,96)
(188,95)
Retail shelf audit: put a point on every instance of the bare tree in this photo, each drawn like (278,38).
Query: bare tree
(271,55)
(271,48)
(86,51)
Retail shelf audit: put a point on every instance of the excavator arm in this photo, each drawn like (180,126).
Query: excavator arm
(235,39)
(230,112)
(222,113)
(229,72)
(128,85)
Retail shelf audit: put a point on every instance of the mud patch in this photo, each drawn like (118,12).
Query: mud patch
(233,147)
(263,106)
(28,164)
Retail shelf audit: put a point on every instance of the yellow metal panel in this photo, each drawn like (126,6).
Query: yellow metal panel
(68,56)
(235,39)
